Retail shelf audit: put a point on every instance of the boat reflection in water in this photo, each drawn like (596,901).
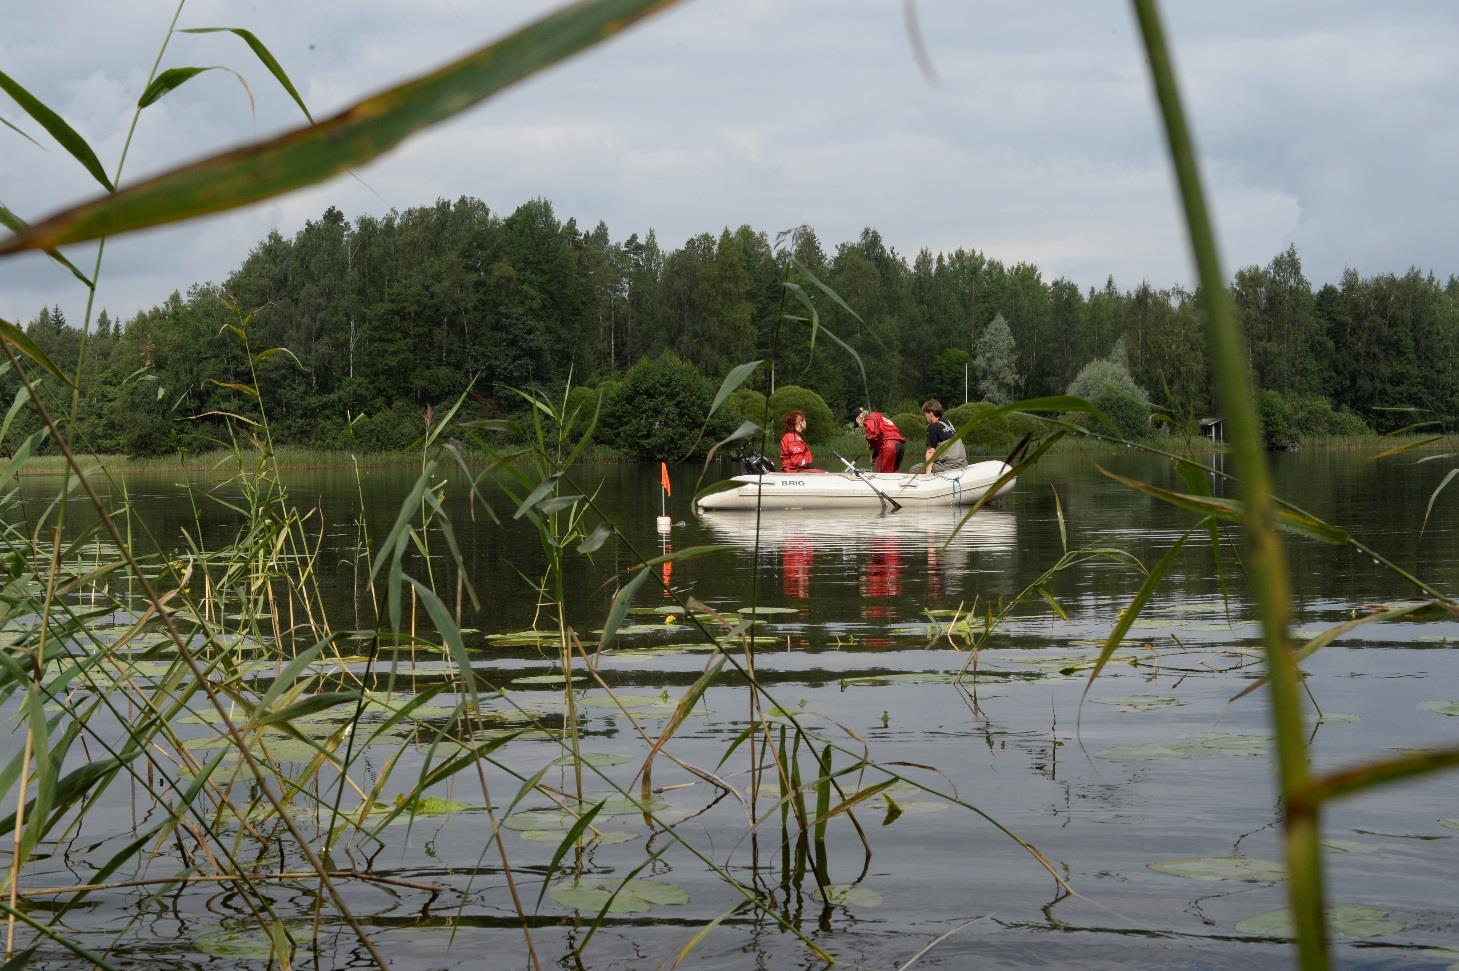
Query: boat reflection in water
(897,562)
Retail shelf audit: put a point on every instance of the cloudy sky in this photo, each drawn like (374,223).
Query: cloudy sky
(1328,125)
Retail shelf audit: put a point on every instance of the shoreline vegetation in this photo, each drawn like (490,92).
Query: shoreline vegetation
(849,443)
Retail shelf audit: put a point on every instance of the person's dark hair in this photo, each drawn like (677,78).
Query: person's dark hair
(857,411)
(934,406)
(789,418)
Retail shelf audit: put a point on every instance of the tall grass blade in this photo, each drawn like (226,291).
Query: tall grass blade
(621,602)
(15,224)
(1266,565)
(64,134)
(681,711)
(172,78)
(1131,613)
(12,334)
(1360,778)
(362,132)
(1429,509)
(265,57)
(569,840)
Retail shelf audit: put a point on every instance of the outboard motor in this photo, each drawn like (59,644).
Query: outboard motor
(753,463)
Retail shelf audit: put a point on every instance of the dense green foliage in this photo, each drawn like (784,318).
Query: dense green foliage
(1106,383)
(820,422)
(656,412)
(996,362)
(385,318)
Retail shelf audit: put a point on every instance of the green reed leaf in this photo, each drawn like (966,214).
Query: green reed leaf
(15,224)
(53,123)
(1230,510)
(1360,778)
(264,56)
(446,627)
(361,132)
(568,842)
(313,704)
(21,132)
(1130,613)
(172,78)
(1428,510)
(681,711)
(13,334)
(621,602)
(732,381)
(44,779)
(596,539)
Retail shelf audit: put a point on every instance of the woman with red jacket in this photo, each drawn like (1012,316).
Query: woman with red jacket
(886,441)
(795,454)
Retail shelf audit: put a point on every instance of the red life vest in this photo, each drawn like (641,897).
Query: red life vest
(795,454)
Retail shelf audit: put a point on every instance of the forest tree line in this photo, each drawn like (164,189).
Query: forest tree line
(385,318)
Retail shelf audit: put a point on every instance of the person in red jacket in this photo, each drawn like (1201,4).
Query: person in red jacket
(886,441)
(795,454)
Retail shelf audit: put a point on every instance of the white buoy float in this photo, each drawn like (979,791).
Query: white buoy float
(664,522)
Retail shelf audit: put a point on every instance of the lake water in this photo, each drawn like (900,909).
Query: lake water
(1159,766)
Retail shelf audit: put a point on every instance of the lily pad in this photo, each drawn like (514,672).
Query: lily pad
(235,944)
(629,897)
(1154,752)
(1238,744)
(616,804)
(1347,922)
(1138,702)
(624,701)
(1238,868)
(427,806)
(546,679)
(914,807)
(1441,707)
(904,677)
(523,638)
(767,611)
(1449,823)
(848,895)
(1347,846)
(540,820)
(555,836)
(1337,718)
(595,758)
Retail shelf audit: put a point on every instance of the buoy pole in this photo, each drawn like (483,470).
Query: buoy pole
(664,523)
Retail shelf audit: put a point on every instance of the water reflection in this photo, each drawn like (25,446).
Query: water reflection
(885,558)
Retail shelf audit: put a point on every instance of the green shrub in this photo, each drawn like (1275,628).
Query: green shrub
(389,429)
(912,426)
(992,434)
(1107,385)
(656,411)
(745,404)
(1276,423)
(1349,423)
(820,424)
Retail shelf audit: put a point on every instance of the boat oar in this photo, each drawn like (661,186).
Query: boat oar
(886,500)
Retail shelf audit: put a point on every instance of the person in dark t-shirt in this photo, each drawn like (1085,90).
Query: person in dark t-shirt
(940,430)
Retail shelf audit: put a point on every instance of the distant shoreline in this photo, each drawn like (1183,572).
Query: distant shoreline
(298,459)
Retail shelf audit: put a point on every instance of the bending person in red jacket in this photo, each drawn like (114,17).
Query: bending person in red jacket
(795,454)
(886,442)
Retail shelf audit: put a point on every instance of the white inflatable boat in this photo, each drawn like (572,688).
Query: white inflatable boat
(854,489)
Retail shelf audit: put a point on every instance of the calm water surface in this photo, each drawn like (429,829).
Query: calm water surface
(856,652)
